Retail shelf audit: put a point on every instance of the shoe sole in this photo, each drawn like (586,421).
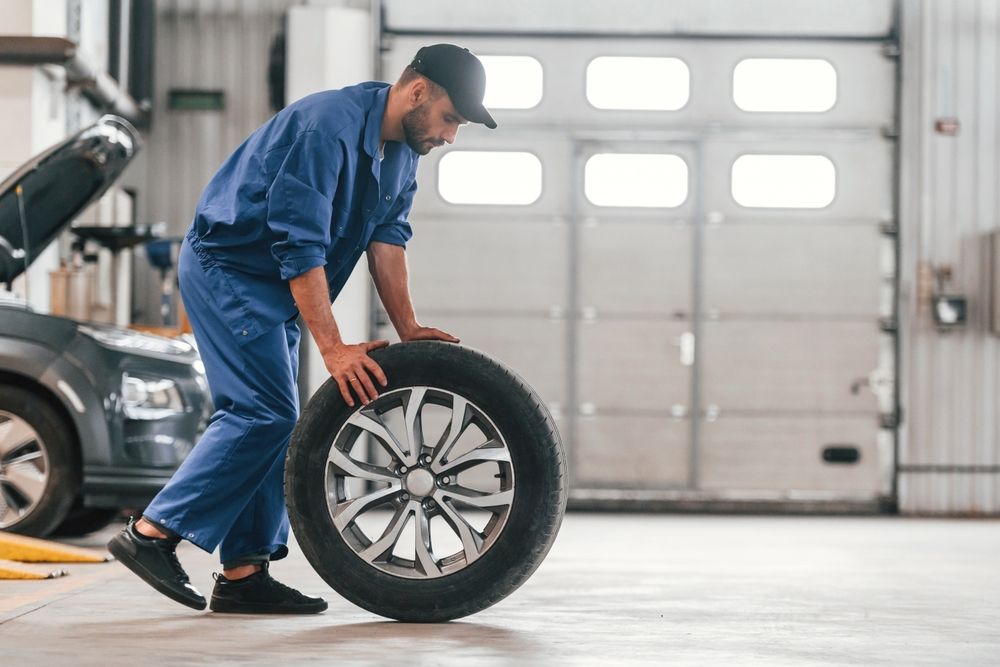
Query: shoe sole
(125,558)
(223,607)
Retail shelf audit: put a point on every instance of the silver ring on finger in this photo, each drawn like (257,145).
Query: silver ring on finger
(353,380)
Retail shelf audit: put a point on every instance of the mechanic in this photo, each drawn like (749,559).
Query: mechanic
(276,234)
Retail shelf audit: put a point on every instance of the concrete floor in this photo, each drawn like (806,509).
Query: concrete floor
(616,589)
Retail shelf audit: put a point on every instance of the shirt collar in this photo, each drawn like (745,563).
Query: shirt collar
(373,121)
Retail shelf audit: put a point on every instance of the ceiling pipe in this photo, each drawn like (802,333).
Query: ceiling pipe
(94,83)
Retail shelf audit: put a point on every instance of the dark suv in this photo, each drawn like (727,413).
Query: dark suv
(93,418)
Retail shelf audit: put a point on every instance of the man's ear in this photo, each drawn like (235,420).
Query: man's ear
(418,92)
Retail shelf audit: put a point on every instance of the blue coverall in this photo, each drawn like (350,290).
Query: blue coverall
(308,188)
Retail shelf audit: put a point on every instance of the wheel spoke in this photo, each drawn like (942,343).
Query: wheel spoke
(9,513)
(368,420)
(360,469)
(490,501)
(491,451)
(28,480)
(24,458)
(14,434)
(390,535)
(460,416)
(346,512)
(411,416)
(472,541)
(425,560)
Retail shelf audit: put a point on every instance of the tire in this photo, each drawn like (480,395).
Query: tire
(522,442)
(39,464)
(85,520)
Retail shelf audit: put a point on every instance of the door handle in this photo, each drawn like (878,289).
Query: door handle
(686,344)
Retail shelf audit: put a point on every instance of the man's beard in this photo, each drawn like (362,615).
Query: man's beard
(415,130)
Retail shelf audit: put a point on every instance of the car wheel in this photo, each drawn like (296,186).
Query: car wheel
(85,520)
(436,500)
(39,466)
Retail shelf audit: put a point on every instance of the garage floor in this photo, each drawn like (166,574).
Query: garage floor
(616,589)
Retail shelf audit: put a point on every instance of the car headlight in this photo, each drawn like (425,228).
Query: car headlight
(137,343)
(150,398)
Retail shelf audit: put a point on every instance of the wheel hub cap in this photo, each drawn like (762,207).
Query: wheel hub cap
(419,483)
(429,530)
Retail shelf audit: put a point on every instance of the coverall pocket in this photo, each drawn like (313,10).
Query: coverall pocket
(215,287)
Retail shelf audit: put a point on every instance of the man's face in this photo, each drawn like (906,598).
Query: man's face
(432,123)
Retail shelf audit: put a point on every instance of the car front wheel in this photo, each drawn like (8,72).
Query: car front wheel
(39,467)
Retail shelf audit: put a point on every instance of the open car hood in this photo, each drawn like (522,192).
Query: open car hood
(41,198)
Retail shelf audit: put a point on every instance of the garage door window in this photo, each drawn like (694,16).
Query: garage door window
(490,177)
(784,181)
(512,82)
(638,83)
(636,179)
(785,85)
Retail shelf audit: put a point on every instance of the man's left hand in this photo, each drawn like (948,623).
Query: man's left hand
(427,333)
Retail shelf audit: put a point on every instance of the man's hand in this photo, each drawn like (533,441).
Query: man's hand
(350,366)
(427,333)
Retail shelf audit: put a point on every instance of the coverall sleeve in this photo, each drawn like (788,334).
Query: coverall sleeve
(300,203)
(396,228)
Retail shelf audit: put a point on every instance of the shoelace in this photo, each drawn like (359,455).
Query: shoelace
(182,576)
(271,582)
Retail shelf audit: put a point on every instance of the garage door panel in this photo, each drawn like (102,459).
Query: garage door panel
(863,181)
(552,151)
(631,365)
(533,347)
(788,366)
(470,265)
(863,97)
(786,455)
(792,269)
(635,267)
(633,451)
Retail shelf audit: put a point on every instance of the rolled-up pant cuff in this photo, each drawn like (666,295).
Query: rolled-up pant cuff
(256,558)
(252,559)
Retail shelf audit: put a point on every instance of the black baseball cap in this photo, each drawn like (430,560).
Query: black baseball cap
(461,74)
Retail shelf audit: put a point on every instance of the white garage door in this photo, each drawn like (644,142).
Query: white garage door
(680,244)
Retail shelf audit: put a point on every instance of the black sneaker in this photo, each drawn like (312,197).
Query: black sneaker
(155,561)
(261,594)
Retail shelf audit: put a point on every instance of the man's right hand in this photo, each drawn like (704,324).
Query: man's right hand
(350,366)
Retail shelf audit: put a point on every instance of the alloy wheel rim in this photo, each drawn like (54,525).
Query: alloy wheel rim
(24,469)
(457,485)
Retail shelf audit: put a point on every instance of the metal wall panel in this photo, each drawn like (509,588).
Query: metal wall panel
(215,44)
(855,18)
(620,277)
(950,436)
(210,44)
(634,451)
(785,455)
(632,366)
(790,366)
(748,269)
(505,265)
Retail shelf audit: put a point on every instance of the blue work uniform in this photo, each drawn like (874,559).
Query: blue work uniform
(309,188)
